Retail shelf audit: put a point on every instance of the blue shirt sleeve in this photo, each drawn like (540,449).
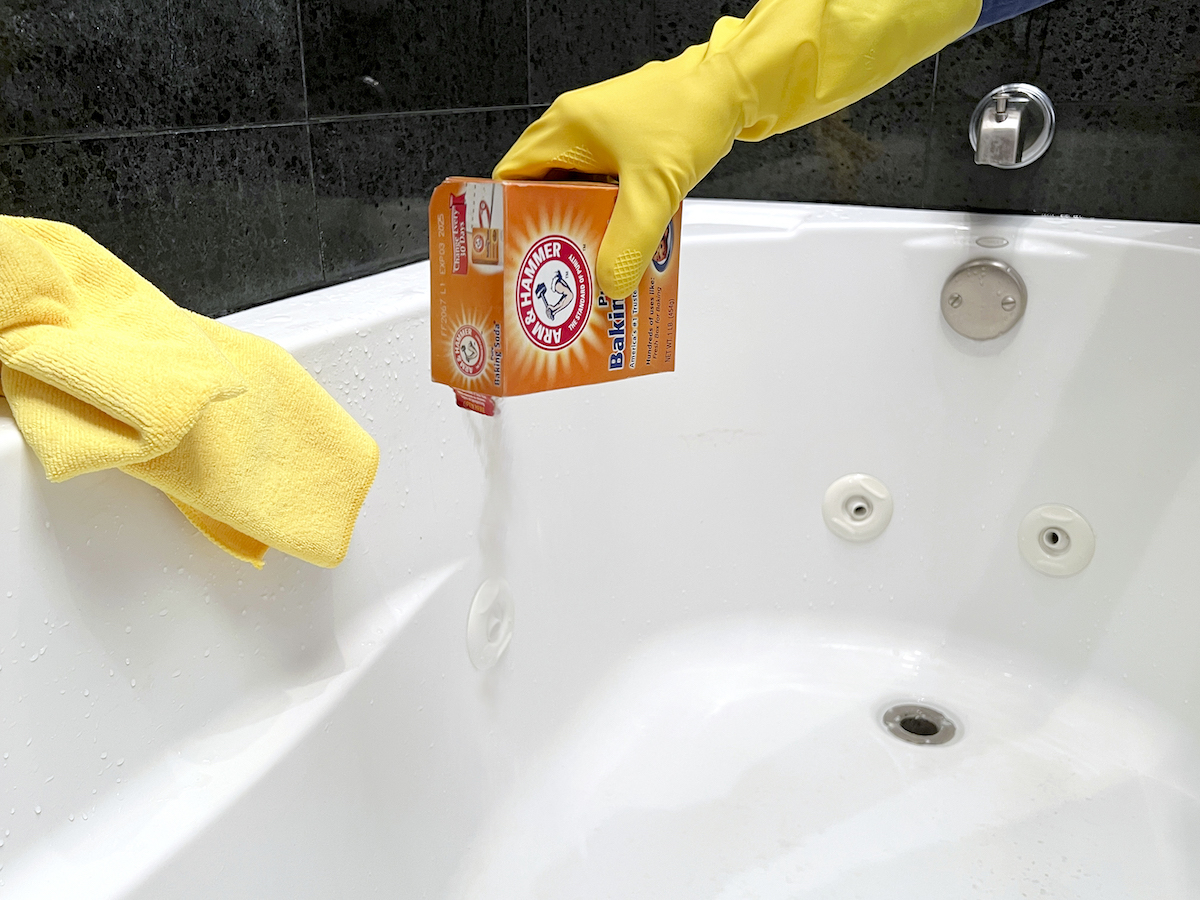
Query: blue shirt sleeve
(1000,10)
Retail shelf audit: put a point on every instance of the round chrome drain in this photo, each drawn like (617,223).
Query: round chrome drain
(919,724)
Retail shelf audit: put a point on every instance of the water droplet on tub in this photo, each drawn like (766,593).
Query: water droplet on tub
(37,810)
(128,628)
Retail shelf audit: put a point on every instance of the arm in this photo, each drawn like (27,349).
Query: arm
(1001,10)
(662,128)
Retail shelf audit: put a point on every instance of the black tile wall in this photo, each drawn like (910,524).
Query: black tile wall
(373,180)
(400,55)
(1084,51)
(1125,82)
(573,43)
(220,220)
(69,66)
(236,151)
(1136,161)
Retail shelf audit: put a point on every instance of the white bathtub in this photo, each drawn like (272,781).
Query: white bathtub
(690,705)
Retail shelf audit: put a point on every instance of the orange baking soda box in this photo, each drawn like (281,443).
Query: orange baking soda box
(515,306)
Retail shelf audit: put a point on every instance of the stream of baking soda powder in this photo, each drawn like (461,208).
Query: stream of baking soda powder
(492,446)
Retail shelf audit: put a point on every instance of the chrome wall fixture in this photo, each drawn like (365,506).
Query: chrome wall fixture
(1002,122)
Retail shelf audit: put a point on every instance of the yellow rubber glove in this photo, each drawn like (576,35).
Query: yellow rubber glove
(662,128)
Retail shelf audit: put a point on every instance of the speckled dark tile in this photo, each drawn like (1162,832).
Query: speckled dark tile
(364,56)
(121,64)
(228,218)
(680,23)
(374,178)
(577,42)
(1085,51)
(1126,161)
(219,221)
(871,153)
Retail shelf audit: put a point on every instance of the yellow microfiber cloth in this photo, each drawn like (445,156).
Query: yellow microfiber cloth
(102,371)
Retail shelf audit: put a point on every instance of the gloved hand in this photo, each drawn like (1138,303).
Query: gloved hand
(662,128)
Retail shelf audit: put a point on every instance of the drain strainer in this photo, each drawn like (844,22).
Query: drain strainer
(919,724)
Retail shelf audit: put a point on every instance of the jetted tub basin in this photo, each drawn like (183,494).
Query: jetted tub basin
(705,691)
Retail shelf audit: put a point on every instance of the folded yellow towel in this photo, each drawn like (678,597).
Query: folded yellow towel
(101,370)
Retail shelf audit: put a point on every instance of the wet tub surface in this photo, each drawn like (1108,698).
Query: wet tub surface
(691,702)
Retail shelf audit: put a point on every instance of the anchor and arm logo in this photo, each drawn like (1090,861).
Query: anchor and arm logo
(554,292)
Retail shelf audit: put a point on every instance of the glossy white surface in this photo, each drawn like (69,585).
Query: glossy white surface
(689,704)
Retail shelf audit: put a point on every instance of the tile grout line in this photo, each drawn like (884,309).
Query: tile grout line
(312,174)
(80,136)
